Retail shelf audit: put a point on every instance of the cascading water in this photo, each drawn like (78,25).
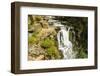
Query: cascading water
(64,44)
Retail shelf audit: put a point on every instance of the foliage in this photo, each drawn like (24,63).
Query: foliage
(82,54)
(47,43)
(53,52)
(32,40)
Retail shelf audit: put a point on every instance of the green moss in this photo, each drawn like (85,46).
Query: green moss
(32,40)
(53,53)
(51,50)
(47,43)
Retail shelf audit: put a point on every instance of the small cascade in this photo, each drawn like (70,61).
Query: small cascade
(64,44)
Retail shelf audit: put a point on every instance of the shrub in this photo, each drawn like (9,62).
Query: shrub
(31,40)
(81,53)
(51,50)
(47,43)
(53,53)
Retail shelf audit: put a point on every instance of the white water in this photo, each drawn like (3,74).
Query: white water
(64,44)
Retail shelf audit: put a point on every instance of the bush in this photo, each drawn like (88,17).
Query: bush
(31,40)
(81,53)
(51,50)
(47,43)
(53,53)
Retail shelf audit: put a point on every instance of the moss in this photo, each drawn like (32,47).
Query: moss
(47,43)
(32,40)
(53,53)
(51,50)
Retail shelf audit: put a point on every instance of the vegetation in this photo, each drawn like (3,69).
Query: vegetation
(47,43)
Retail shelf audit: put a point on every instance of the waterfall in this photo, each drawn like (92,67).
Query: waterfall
(64,44)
